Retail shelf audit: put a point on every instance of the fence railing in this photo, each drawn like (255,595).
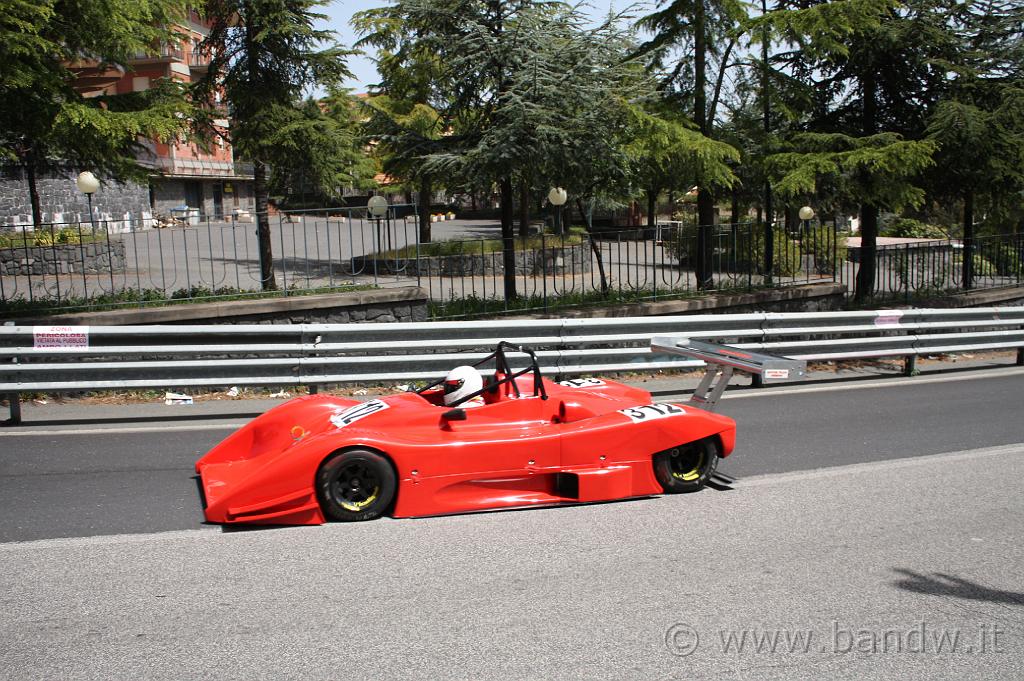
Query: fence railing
(45,359)
(130,262)
(909,271)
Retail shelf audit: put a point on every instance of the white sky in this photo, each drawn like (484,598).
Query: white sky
(363,68)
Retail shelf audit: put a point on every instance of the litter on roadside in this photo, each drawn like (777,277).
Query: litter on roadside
(176,398)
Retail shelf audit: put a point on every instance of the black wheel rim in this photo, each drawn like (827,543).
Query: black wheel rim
(355,486)
(686,463)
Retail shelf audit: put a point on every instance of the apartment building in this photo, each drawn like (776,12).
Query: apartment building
(206,181)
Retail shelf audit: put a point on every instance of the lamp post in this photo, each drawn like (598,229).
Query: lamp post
(557,198)
(88,184)
(377,207)
(806,214)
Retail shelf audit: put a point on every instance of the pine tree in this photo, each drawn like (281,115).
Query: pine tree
(979,125)
(688,34)
(266,56)
(864,131)
(524,91)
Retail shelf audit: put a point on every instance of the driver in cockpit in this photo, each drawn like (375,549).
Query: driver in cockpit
(460,382)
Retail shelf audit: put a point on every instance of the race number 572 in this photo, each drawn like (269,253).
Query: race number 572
(649,412)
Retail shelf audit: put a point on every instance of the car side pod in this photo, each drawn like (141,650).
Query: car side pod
(722,361)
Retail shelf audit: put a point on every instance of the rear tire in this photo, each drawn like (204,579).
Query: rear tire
(355,485)
(686,467)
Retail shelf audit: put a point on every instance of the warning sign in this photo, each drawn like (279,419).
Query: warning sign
(61,336)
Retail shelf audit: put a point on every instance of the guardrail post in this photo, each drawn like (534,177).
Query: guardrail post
(910,365)
(1020,357)
(14,400)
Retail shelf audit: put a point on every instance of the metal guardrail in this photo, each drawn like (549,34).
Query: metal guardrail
(53,359)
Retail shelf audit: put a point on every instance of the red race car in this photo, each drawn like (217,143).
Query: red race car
(514,439)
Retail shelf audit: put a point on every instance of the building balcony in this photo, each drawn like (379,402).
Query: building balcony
(199,61)
(166,53)
(194,167)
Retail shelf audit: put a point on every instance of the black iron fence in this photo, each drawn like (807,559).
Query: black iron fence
(463,269)
(921,269)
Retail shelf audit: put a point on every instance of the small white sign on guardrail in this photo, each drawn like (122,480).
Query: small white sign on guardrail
(60,336)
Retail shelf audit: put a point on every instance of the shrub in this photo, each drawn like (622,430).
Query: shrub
(909,228)
(1006,259)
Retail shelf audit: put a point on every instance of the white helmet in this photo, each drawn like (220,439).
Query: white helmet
(461,382)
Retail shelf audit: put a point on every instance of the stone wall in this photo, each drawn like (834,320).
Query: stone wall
(92,258)
(407,304)
(61,202)
(807,298)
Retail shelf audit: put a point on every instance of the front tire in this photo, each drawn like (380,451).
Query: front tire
(355,485)
(686,467)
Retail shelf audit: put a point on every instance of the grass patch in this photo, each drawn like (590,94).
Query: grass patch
(67,235)
(148,298)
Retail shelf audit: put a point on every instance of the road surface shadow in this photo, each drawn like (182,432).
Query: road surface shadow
(938,584)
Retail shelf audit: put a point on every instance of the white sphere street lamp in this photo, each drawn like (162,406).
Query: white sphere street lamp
(88,185)
(377,206)
(557,198)
(806,214)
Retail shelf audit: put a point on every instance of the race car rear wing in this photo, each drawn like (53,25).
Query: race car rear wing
(722,361)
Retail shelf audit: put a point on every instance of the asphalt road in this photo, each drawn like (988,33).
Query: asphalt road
(107,481)
(874,532)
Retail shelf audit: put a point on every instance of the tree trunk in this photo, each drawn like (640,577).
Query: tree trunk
(735,208)
(705,225)
(266,250)
(705,199)
(968,264)
(593,246)
(652,206)
(865,284)
(524,209)
(423,208)
(508,239)
(33,192)
(766,113)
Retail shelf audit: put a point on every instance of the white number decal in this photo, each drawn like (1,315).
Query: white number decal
(345,417)
(649,412)
(582,383)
